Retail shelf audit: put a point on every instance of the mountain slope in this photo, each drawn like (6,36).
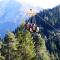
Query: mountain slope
(51,30)
(49,19)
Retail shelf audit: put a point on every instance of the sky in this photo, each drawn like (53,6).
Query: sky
(41,3)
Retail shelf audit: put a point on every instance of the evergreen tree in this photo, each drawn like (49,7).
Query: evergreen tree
(1,56)
(26,45)
(41,52)
(10,46)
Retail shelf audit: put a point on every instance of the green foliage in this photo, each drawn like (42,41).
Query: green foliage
(10,46)
(41,52)
(26,46)
(1,56)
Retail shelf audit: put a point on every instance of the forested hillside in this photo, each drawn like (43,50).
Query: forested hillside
(49,20)
(24,45)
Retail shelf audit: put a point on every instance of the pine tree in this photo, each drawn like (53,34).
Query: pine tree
(1,56)
(26,45)
(10,46)
(41,52)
